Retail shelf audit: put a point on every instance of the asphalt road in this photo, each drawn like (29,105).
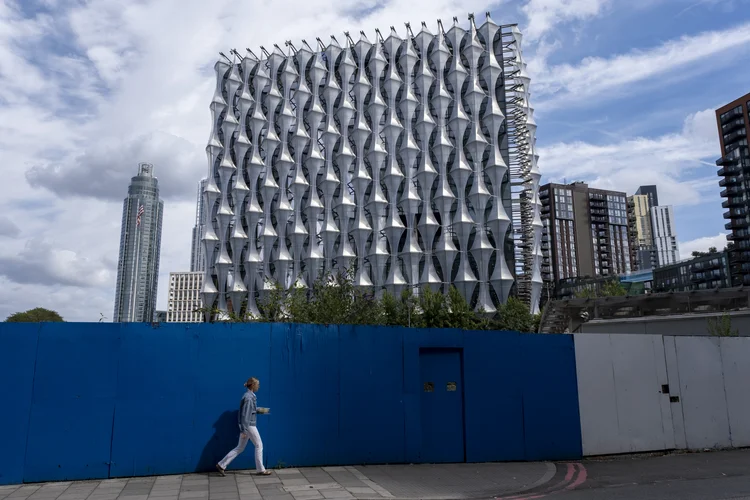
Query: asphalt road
(696,476)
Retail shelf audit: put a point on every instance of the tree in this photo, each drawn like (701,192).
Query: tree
(711,250)
(515,315)
(36,315)
(611,288)
(335,300)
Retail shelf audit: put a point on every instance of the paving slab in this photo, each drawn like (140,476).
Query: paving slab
(394,482)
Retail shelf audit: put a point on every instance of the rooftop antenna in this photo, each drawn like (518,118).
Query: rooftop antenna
(380,35)
(346,34)
(408,29)
(440,26)
(455,20)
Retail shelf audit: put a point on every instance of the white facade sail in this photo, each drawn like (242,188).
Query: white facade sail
(403,159)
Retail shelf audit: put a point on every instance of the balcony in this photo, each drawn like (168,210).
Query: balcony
(733,136)
(739,257)
(707,276)
(731,191)
(731,115)
(734,201)
(737,224)
(597,219)
(739,236)
(544,194)
(730,181)
(732,168)
(733,125)
(706,265)
(736,213)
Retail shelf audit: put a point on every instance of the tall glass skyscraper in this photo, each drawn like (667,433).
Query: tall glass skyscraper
(140,245)
(409,160)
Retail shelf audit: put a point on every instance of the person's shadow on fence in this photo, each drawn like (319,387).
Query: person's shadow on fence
(223,440)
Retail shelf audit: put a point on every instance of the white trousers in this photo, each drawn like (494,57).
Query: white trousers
(254,437)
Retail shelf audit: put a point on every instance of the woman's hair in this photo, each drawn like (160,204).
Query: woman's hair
(251,382)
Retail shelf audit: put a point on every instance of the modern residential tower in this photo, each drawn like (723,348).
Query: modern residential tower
(733,122)
(650,193)
(140,242)
(407,159)
(642,250)
(640,205)
(585,232)
(665,236)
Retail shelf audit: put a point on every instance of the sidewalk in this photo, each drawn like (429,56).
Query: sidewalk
(427,482)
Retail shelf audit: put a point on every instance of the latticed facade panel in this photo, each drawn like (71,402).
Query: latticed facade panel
(395,160)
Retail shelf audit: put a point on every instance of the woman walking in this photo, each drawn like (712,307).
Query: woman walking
(248,431)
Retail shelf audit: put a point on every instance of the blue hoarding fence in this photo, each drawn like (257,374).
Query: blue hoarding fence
(93,401)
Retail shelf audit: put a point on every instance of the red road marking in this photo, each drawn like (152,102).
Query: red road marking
(582,476)
(575,476)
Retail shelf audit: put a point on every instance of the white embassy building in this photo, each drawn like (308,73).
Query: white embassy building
(409,160)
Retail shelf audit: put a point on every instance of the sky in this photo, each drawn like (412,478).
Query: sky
(624,93)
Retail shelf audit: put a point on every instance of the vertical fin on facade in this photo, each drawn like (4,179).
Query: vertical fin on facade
(409,161)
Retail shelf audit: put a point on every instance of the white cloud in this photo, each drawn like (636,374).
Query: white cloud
(39,263)
(680,163)
(598,77)
(718,241)
(92,88)
(543,15)
(103,170)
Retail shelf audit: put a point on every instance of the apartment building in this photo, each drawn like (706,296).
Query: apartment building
(585,233)
(732,121)
(184,302)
